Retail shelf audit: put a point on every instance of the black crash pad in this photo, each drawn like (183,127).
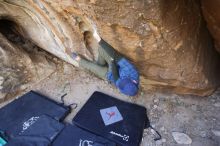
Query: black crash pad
(111,118)
(41,132)
(15,116)
(71,135)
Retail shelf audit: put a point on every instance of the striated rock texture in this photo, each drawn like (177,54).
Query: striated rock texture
(166,39)
(21,63)
(211,13)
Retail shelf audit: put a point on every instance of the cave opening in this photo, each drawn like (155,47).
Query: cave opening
(15,34)
(22,62)
(7,26)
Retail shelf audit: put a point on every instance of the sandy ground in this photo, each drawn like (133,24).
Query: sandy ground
(198,117)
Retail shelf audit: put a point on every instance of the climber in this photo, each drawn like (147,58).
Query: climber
(119,71)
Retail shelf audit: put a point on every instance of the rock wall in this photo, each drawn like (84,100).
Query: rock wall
(166,39)
(21,62)
(211,13)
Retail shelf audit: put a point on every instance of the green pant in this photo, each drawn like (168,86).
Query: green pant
(106,61)
(98,70)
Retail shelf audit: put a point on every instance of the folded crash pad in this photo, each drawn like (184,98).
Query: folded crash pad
(18,115)
(41,132)
(114,119)
(72,135)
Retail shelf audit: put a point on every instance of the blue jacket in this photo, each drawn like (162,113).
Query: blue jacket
(125,70)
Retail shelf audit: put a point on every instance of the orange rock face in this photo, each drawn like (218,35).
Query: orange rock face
(166,39)
(212,15)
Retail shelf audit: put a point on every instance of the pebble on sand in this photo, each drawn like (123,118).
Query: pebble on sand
(216,132)
(181,138)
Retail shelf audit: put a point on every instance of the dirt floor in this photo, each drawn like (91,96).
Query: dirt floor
(197,117)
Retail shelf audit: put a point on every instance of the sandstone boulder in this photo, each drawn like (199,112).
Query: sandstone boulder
(212,15)
(166,39)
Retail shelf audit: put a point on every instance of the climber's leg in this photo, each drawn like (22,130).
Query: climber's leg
(98,70)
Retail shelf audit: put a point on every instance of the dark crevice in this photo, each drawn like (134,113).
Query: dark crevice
(23,62)
(15,34)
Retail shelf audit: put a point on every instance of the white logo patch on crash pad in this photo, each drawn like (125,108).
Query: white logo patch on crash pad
(111,115)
